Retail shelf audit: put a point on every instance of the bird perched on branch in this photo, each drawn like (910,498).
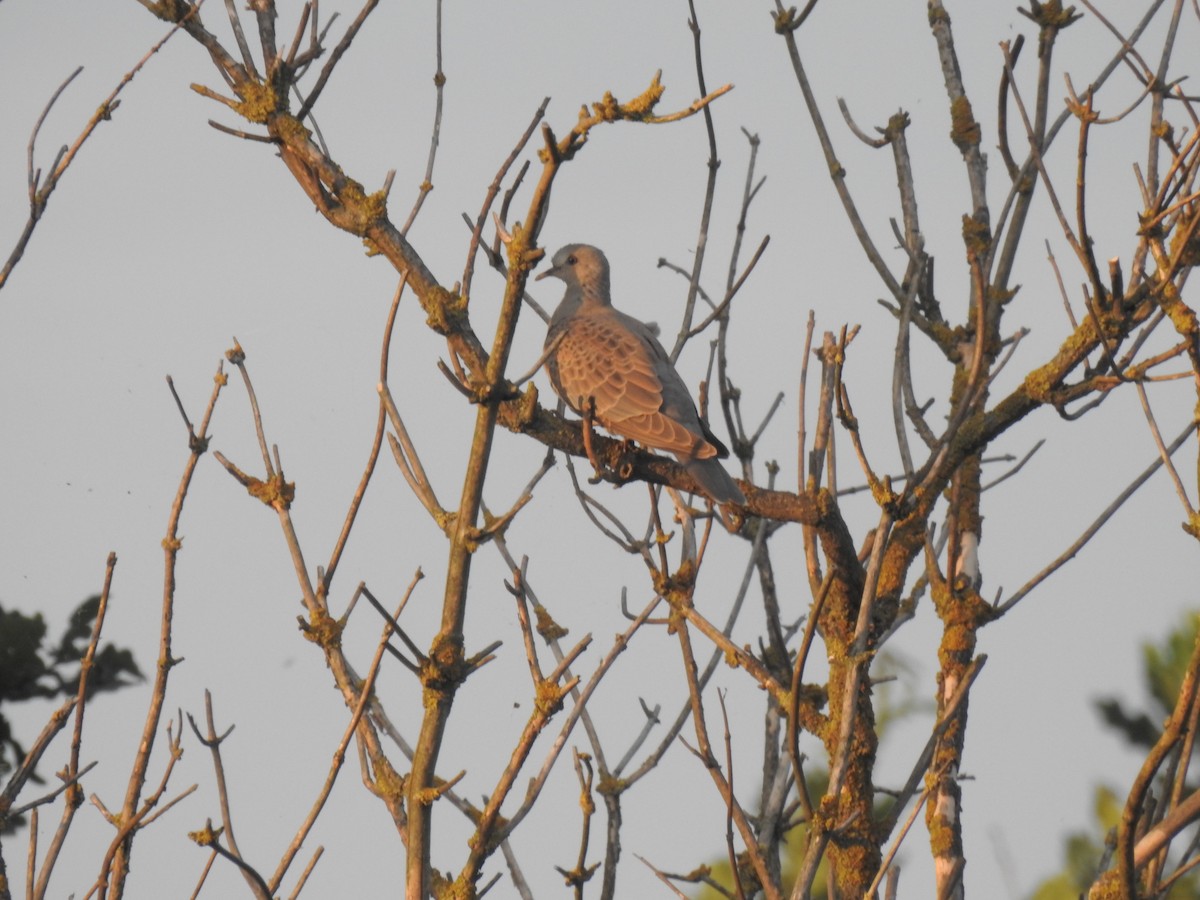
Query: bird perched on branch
(610,365)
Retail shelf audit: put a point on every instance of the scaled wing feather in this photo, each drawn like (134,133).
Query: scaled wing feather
(603,359)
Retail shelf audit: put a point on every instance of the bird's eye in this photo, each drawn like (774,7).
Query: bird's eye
(571,260)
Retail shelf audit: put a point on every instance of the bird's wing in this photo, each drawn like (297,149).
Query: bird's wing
(615,364)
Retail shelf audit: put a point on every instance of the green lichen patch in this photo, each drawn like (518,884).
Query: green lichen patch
(964,130)
(259,101)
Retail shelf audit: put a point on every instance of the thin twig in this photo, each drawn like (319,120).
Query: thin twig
(376,444)
(439,82)
(1099,523)
(39,194)
(342,46)
(339,755)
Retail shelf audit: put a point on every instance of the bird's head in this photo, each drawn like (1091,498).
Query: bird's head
(581,266)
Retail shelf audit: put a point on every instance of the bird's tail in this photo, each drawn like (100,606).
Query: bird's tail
(715,480)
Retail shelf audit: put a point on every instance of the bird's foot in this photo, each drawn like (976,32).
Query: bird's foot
(589,415)
(623,468)
(729,517)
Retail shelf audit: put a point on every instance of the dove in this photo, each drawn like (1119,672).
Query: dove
(598,354)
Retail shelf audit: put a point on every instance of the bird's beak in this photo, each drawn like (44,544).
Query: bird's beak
(552,271)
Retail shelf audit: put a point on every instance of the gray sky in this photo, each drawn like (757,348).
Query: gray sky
(167,238)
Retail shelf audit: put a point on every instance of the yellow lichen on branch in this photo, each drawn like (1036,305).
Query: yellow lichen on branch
(639,109)
(206,836)
(549,697)
(259,101)
(322,629)
(964,129)
(363,210)
(274,492)
(444,311)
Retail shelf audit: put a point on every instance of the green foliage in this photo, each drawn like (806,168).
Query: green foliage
(896,698)
(30,671)
(897,694)
(1164,667)
(795,843)
(1084,852)
(1166,663)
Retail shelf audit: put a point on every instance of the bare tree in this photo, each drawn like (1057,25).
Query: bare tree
(1129,327)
